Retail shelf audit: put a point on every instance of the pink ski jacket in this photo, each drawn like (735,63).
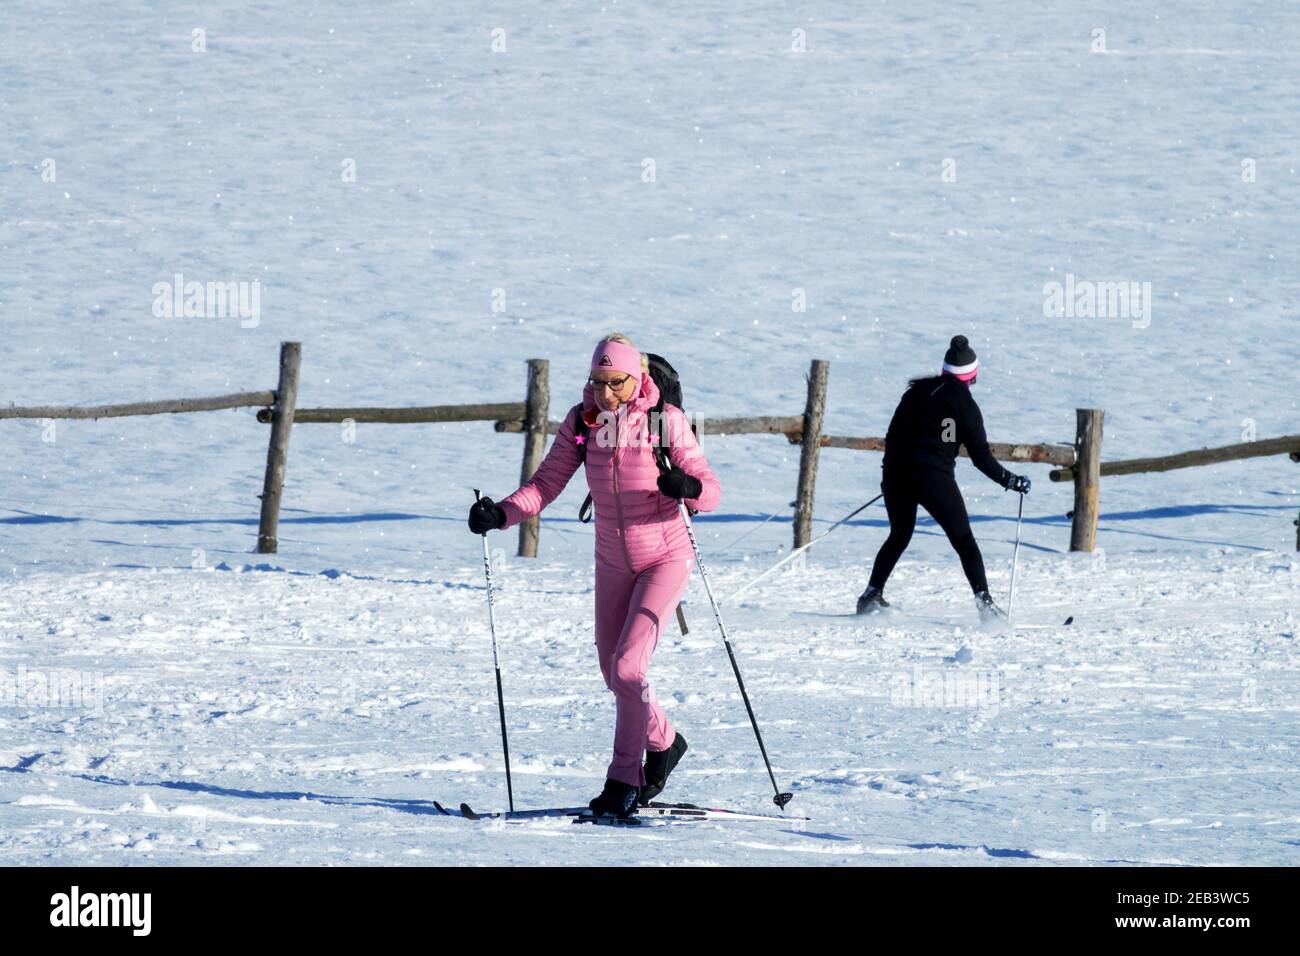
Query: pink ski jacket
(637,526)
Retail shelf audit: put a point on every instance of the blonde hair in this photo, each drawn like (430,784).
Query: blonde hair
(620,337)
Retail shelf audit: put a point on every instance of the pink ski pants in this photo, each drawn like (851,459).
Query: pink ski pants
(632,610)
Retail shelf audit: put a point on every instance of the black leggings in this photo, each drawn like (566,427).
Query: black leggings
(938,494)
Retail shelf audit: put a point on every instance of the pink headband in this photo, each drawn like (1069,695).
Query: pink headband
(617,357)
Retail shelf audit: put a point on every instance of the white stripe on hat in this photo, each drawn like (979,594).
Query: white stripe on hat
(961,369)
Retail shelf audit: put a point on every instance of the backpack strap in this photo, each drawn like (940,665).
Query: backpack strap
(581,431)
(660,451)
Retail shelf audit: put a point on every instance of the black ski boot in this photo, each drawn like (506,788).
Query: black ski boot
(618,799)
(988,610)
(872,601)
(658,765)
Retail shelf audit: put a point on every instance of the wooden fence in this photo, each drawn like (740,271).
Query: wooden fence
(1286,445)
(1080,462)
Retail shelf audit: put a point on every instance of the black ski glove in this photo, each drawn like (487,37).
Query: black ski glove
(675,483)
(485,516)
(1019,483)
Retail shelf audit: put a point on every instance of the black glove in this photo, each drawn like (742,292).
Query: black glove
(675,483)
(1019,483)
(485,516)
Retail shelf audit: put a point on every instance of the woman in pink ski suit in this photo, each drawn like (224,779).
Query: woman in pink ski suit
(643,553)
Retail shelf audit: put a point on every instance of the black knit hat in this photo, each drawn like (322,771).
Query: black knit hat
(960,359)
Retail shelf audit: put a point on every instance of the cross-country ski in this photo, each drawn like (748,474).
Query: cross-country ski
(682,811)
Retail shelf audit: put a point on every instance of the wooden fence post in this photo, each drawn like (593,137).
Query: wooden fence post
(538,407)
(1087,478)
(286,400)
(814,412)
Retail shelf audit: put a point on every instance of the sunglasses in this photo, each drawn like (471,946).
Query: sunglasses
(615,384)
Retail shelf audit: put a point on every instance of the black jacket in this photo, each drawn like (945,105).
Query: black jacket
(934,419)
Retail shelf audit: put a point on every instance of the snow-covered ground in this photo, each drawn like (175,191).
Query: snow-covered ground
(306,707)
(273,716)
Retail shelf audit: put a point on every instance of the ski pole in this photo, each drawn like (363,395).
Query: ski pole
(1015,556)
(800,550)
(780,799)
(496,664)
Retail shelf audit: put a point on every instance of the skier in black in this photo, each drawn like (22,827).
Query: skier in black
(937,415)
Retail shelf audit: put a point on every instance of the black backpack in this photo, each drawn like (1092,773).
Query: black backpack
(670,392)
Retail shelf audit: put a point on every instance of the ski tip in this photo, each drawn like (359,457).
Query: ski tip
(467,812)
(1069,620)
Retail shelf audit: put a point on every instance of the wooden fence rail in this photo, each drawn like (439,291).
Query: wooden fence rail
(274,407)
(1002,451)
(1287,444)
(1079,463)
(165,407)
(789,425)
(419,414)
(792,428)
(528,416)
